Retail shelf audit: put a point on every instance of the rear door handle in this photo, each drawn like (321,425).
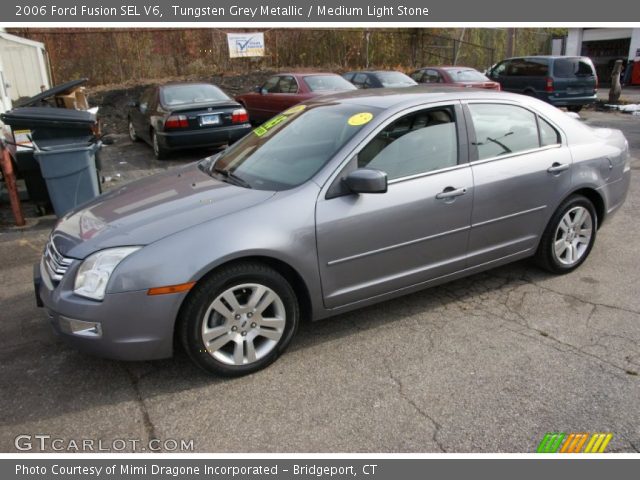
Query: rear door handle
(558,167)
(451,192)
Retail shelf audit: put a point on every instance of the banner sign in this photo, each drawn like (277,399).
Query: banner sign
(245,44)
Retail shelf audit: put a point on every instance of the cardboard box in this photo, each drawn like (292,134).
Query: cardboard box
(76,100)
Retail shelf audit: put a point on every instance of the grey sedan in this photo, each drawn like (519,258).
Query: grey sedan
(334,204)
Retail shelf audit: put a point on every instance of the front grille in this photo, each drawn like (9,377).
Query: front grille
(56,264)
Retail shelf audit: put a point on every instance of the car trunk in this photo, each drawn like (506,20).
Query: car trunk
(200,117)
(574,77)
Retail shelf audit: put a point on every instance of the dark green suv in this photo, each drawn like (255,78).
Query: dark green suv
(562,81)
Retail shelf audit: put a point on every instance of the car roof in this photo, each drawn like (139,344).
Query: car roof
(184,84)
(547,57)
(305,74)
(397,97)
(374,71)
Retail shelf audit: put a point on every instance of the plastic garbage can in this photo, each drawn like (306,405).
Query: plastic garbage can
(47,126)
(70,174)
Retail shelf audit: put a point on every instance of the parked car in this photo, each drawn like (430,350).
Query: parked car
(284,90)
(379,79)
(454,76)
(562,81)
(337,203)
(179,116)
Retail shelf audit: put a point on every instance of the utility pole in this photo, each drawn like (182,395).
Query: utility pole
(511,35)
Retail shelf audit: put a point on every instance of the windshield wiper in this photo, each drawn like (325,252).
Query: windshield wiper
(232,178)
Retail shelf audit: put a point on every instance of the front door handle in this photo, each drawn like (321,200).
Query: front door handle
(451,192)
(558,167)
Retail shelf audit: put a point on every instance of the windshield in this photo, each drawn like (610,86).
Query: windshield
(467,76)
(187,94)
(318,83)
(395,79)
(290,148)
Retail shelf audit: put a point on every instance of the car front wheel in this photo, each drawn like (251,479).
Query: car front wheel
(239,319)
(569,236)
(132,132)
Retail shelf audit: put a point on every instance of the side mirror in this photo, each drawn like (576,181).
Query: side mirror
(134,104)
(257,89)
(367,180)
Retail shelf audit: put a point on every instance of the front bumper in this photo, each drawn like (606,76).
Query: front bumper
(211,137)
(130,325)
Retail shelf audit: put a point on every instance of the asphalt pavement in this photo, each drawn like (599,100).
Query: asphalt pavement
(489,363)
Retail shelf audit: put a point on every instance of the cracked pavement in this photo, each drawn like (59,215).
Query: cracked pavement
(489,363)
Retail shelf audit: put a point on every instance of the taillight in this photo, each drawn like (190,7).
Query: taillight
(497,86)
(549,86)
(176,121)
(240,116)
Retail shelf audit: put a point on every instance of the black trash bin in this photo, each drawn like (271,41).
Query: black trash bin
(48,127)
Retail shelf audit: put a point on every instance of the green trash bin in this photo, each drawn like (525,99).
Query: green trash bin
(70,173)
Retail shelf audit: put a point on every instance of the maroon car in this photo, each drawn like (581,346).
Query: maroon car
(454,76)
(284,90)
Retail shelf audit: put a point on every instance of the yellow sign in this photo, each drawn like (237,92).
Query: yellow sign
(360,119)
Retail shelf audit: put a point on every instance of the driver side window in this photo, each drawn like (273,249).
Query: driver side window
(417,143)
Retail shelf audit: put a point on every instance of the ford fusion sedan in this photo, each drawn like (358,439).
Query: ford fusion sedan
(284,90)
(186,115)
(334,204)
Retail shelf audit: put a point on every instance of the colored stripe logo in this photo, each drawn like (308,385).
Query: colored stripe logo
(574,443)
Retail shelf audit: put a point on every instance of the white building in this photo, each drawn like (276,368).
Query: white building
(25,66)
(603,45)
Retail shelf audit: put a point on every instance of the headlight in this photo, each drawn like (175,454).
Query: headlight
(93,275)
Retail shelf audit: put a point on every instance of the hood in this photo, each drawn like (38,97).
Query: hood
(147,210)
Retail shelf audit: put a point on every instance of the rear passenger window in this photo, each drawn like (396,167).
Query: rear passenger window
(288,85)
(503,129)
(548,134)
(416,143)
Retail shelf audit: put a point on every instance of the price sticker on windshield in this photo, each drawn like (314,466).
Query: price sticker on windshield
(360,119)
(296,109)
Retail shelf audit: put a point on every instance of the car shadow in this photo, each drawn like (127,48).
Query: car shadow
(48,377)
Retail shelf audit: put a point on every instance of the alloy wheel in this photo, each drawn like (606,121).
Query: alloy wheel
(573,236)
(243,324)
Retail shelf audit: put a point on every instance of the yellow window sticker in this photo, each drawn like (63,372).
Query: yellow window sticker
(296,109)
(265,127)
(360,119)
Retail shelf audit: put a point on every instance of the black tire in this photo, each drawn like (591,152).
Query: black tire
(159,151)
(133,136)
(574,108)
(192,315)
(546,257)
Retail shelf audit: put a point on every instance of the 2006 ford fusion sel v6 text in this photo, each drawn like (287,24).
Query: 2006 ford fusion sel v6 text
(341,202)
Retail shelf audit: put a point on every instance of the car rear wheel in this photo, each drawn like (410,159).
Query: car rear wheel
(158,150)
(574,108)
(569,236)
(239,320)
(132,132)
